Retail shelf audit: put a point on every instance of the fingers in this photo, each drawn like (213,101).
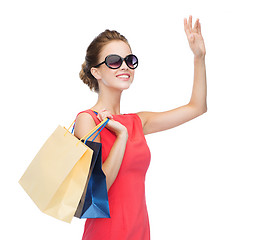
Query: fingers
(188,25)
(190,22)
(199,27)
(196,25)
(104,114)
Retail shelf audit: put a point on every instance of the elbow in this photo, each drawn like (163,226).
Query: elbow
(205,109)
(199,110)
(202,108)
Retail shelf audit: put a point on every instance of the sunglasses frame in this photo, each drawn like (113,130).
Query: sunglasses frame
(123,59)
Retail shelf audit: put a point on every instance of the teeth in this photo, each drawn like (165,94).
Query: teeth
(123,76)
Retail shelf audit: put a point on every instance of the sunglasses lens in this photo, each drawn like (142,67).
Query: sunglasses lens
(114,61)
(132,61)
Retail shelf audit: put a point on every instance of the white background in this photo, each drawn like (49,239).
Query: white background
(202,181)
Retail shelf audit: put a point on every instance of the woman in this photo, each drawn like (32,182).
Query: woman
(108,70)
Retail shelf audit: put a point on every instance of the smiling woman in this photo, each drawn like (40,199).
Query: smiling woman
(93,58)
(108,74)
(109,70)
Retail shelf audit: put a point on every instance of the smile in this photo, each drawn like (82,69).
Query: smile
(123,76)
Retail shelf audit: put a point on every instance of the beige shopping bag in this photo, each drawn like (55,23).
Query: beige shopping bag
(56,177)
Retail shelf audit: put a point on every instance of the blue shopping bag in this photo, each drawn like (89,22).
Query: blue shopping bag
(94,201)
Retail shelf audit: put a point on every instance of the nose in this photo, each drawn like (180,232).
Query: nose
(124,66)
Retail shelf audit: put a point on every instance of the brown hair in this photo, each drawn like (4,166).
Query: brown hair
(93,53)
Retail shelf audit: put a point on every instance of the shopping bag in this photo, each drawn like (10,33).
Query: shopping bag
(94,201)
(56,177)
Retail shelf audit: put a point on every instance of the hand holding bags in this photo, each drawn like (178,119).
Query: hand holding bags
(56,178)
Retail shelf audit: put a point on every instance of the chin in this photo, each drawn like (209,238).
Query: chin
(122,86)
(126,86)
(118,85)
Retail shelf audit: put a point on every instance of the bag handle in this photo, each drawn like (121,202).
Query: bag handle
(97,129)
(100,128)
(73,124)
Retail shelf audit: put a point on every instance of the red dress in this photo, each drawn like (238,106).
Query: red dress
(129,218)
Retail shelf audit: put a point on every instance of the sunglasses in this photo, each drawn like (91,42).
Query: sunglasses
(114,61)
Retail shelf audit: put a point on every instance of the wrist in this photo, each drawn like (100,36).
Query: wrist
(199,58)
(122,134)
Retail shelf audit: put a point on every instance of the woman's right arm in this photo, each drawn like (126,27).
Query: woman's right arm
(85,123)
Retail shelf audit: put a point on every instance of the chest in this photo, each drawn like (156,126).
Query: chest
(137,153)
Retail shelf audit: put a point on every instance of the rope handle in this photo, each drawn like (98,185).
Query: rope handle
(97,129)
(73,124)
(100,129)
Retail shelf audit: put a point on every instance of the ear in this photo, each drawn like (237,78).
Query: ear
(95,73)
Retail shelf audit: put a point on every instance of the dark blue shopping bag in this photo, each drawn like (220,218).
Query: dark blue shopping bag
(94,201)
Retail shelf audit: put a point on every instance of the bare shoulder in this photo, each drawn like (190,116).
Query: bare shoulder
(144,116)
(84,124)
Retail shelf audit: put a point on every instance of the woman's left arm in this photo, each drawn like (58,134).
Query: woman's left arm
(160,121)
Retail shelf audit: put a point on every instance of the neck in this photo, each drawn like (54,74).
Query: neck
(109,100)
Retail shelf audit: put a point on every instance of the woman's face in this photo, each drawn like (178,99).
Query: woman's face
(120,78)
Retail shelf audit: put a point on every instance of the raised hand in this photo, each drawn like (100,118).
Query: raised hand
(194,37)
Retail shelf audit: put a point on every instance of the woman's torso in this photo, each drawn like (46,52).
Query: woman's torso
(128,211)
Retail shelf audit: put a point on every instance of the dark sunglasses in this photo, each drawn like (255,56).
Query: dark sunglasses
(114,61)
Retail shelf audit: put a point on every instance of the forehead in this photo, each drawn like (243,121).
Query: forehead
(116,47)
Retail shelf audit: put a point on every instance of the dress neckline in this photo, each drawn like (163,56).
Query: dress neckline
(121,114)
